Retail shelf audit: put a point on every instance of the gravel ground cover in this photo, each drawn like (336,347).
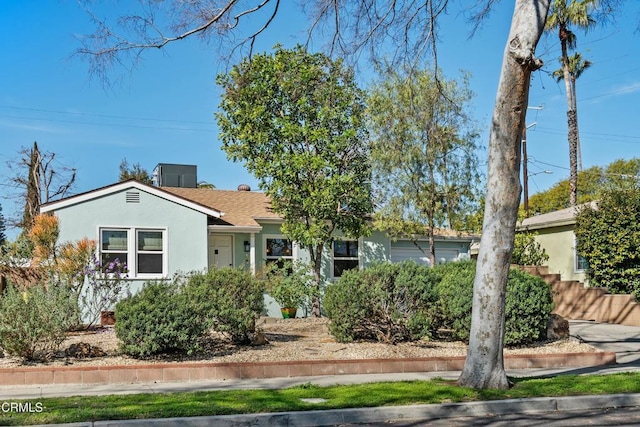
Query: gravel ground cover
(287,339)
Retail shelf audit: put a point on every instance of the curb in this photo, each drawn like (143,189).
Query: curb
(169,372)
(388,413)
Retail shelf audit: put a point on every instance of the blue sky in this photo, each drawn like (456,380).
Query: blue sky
(163,111)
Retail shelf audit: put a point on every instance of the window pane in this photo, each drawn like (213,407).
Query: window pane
(150,263)
(340,265)
(114,240)
(149,240)
(114,261)
(279,248)
(345,248)
(581,263)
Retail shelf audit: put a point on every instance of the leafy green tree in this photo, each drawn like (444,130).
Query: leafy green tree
(527,251)
(135,171)
(593,181)
(608,237)
(297,121)
(562,15)
(423,153)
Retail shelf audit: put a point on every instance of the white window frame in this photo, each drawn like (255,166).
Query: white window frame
(333,257)
(294,248)
(132,250)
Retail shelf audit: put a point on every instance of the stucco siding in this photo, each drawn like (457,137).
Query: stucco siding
(559,243)
(186,229)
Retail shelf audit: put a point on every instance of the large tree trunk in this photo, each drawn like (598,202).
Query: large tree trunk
(484,366)
(572,120)
(572,124)
(575,110)
(315,253)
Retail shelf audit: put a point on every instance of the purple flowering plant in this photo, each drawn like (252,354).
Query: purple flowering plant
(102,287)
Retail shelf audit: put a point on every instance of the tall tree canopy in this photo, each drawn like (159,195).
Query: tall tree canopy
(424,154)
(297,122)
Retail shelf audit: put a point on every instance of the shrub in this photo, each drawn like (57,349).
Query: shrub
(384,302)
(33,323)
(290,285)
(528,307)
(608,237)
(455,297)
(158,319)
(527,251)
(228,300)
(528,303)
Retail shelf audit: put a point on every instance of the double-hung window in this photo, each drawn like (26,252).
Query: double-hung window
(278,249)
(345,256)
(141,250)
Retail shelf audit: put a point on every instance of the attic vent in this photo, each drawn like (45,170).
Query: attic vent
(244,187)
(132,197)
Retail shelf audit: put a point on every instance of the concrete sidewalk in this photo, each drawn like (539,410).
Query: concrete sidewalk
(624,340)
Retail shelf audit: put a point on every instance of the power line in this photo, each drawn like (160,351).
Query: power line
(593,135)
(109,124)
(109,116)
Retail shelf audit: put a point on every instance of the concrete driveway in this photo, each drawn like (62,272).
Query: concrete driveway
(620,339)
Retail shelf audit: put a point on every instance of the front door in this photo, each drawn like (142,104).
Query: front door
(220,250)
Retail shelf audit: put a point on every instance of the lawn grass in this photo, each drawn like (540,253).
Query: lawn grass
(138,406)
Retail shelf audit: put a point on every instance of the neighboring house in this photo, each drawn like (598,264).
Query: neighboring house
(160,231)
(556,236)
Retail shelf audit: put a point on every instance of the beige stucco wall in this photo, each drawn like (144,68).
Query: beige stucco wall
(559,243)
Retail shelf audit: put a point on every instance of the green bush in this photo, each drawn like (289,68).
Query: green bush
(608,237)
(528,303)
(384,302)
(228,300)
(33,323)
(527,309)
(158,319)
(290,285)
(455,297)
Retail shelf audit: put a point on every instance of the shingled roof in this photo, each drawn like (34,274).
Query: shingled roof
(241,208)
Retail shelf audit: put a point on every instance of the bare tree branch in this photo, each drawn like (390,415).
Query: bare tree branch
(123,44)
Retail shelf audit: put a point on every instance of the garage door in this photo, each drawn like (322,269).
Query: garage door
(415,254)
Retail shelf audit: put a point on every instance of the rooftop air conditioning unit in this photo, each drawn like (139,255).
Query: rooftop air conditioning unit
(172,175)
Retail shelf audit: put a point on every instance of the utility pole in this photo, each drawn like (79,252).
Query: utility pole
(525,172)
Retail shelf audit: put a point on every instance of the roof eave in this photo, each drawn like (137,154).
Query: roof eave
(121,186)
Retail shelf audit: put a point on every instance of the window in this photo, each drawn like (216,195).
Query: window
(278,249)
(345,256)
(149,252)
(141,250)
(114,247)
(581,263)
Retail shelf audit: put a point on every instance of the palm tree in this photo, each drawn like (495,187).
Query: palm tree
(577,65)
(562,15)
